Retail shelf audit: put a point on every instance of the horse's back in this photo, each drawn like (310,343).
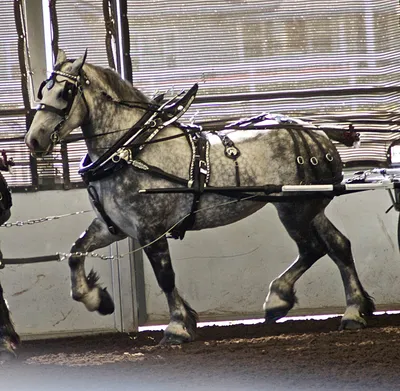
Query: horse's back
(269,156)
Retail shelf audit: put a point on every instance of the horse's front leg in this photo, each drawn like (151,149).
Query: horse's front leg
(183,319)
(85,288)
(9,339)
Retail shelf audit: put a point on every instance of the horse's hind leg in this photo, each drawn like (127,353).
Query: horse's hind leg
(358,303)
(85,288)
(9,339)
(183,319)
(297,219)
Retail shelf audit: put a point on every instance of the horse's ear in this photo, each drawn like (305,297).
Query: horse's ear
(78,64)
(61,57)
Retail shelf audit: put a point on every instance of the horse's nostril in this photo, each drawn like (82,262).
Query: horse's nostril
(33,144)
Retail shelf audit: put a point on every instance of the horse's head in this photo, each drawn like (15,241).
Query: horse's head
(62,106)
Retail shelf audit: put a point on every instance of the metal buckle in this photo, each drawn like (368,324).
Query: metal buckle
(54,137)
(122,154)
(231,151)
(203,167)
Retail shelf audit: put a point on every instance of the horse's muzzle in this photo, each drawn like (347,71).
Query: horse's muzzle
(36,150)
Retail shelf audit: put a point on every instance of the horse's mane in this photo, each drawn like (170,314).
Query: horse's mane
(112,83)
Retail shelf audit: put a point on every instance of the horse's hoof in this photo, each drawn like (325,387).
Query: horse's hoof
(176,334)
(272,316)
(350,324)
(106,306)
(7,353)
(170,339)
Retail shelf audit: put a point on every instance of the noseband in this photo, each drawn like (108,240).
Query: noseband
(69,93)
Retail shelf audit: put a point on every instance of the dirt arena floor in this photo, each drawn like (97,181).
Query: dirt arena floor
(294,355)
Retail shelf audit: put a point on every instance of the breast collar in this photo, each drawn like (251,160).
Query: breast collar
(134,140)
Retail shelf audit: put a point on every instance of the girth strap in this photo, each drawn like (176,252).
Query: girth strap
(201,172)
(112,228)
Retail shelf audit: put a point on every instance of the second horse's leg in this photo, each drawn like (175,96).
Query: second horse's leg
(183,319)
(85,288)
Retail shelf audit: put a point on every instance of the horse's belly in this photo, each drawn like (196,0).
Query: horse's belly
(215,211)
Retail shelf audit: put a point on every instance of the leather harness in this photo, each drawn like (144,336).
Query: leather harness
(127,149)
(158,116)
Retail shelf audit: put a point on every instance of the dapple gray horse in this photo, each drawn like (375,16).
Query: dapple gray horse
(106,108)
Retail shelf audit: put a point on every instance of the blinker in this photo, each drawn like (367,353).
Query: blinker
(50,84)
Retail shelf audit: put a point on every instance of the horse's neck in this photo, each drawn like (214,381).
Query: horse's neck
(108,123)
(108,120)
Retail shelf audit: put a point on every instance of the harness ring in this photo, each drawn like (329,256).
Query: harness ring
(329,157)
(116,158)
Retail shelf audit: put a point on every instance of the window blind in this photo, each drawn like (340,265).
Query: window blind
(81,25)
(254,49)
(12,113)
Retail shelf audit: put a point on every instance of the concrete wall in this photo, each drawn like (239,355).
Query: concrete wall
(225,272)
(39,294)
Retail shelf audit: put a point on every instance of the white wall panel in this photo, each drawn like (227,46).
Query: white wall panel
(39,294)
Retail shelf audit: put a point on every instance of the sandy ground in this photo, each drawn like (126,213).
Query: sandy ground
(295,355)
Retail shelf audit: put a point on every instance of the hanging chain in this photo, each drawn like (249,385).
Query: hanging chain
(62,256)
(42,219)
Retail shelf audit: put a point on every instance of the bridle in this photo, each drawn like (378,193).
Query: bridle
(156,116)
(73,86)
